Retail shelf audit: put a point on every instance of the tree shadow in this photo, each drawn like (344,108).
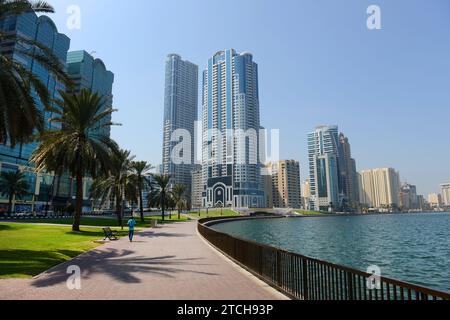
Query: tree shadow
(5,227)
(120,265)
(29,263)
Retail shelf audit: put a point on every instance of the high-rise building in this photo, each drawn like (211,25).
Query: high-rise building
(380,188)
(180,115)
(197,189)
(348,179)
(90,73)
(435,200)
(323,168)
(231,122)
(446,194)
(408,197)
(286,185)
(42,30)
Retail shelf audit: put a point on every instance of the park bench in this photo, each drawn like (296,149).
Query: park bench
(110,234)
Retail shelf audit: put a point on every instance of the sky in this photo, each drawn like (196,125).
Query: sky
(388,90)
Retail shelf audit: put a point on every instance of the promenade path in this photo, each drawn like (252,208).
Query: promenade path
(166,263)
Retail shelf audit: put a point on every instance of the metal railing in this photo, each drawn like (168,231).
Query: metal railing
(304,278)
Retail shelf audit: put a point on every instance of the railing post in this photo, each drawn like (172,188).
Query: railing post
(305,279)
(278,266)
(349,286)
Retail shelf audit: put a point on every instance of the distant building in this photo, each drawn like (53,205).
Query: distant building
(90,73)
(348,179)
(286,184)
(268,186)
(435,200)
(323,168)
(446,194)
(306,194)
(380,188)
(408,197)
(197,189)
(180,114)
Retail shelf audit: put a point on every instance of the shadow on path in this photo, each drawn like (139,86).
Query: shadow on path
(121,265)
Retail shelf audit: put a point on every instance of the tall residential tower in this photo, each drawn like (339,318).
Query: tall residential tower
(180,115)
(230,143)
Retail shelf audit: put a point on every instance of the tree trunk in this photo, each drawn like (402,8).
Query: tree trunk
(10,204)
(179,214)
(163,200)
(79,202)
(118,211)
(141,205)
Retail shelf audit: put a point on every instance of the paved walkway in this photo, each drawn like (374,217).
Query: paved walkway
(171,262)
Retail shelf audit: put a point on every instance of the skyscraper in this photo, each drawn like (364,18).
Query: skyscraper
(231,122)
(348,180)
(89,73)
(380,188)
(180,114)
(323,168)
(42,30)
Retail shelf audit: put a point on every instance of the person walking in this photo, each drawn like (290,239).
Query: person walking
(131,223)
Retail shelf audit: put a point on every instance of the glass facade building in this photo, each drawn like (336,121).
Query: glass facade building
(230,124)
(180,114)
(43,30)
(323,155)
(89,73)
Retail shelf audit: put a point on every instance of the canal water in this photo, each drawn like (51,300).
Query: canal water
(409,247)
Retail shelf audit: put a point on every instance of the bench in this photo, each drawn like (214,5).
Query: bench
(110,234)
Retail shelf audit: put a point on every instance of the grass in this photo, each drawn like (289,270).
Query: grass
(27,250)
(308,213)
(214,213)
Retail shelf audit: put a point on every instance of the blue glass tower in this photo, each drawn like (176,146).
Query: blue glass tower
(323,153)
(231,123)
(43,30)
(89,73)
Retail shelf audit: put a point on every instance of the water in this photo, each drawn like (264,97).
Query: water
(413,247)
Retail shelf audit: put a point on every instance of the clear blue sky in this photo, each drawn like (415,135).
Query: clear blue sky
(388,90)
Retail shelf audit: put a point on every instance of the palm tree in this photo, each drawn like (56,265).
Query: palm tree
(160,194)
(178,194)
(79,147)
(119,183)
(20,115)
(13,184)
(141,168)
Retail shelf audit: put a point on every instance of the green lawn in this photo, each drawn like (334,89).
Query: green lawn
(214,213)
(26,250)
(308,213)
